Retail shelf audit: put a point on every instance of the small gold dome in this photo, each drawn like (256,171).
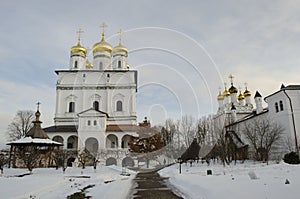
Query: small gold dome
(226,93)
(89,65)
(102,47)
(78,49)
(232,89)
(241,97)
(120,49)
(247,93)
(220,96)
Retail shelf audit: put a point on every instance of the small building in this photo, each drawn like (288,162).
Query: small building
(35,149)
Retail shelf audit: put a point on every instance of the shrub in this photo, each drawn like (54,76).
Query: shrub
(291,158)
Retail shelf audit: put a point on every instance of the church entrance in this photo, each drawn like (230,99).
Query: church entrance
(92,145)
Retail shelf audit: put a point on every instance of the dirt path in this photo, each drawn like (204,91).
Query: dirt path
(150,185)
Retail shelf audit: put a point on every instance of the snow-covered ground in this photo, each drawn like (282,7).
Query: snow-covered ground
(236,181)
(50,183)
(247,181)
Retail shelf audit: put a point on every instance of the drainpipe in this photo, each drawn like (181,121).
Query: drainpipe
(293,120)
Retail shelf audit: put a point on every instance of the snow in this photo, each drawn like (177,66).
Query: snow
(249,180)
(51,183)
(27,140)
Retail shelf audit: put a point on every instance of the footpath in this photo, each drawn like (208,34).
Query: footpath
(150,185)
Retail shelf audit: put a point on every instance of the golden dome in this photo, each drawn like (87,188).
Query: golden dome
(247,93)
(241,97)
(102,46)
(220,96)
(88,64)
(226,93)
(78,49)
(120,49)
(232,89)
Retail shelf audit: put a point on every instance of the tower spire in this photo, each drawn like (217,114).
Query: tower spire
(231,79)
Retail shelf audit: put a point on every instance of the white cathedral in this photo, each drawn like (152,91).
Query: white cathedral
(96,103)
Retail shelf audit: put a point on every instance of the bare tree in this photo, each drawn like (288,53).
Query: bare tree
(203,128)
(84,157)
(20,125)
(187,129)
(4,158)
(30,155)
(263,136)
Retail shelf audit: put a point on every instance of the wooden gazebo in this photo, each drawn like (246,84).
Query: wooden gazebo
(34,149)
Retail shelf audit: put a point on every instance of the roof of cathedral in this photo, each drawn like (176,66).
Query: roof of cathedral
(61,129)
(93,109)
(283,88)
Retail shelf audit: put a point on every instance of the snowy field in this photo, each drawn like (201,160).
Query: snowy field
(242,181)
(51,183)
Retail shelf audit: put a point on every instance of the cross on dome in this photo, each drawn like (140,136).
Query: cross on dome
(103,26)
(79,34)
(231,78)
(120,33)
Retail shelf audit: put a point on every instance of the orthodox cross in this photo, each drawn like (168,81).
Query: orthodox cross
(79,33)
(120,33)
(38,105)
(231,78)
(103,26)
(246,85)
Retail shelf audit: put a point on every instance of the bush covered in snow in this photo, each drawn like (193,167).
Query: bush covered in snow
(291,158)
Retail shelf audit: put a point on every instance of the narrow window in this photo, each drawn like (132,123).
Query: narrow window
(96,105)
(75,64)
(119,106)
(113,144)
(89,122)
(276,107)
(100,66)
(119,64)
(72,107)
(281,105)
(95,122)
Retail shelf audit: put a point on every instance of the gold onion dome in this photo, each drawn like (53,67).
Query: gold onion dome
(232,89)
(247,93)
(220,96)
(226,93)
(88,64)
(120,49)
(78,49)
(241,97)
(102,47)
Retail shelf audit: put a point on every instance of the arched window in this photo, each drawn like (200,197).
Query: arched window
(100,66)
(119,106)
(89,122)
(95,122)
(75,64)
(276,107)
(96,105)
(119,64)
(281,105)
(72,107)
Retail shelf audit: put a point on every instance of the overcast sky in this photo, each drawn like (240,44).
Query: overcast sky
(183,50)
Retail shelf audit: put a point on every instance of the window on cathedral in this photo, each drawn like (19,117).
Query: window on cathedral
(100,66)
(96,105)
(281,105)
(119,106)
(113,145)
(276,107)
(75,64)
(72,107)
(119,64)
(89,123)
(95,122)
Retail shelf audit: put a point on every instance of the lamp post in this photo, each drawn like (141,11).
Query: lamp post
(180,162)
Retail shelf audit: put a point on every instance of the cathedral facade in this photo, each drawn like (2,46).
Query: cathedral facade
(96,102)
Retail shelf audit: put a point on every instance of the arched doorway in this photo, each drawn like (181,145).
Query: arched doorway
(72,142)
(111,141)
(70,161)
(92,145)
(111,161)
(125,141)
(127,162)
